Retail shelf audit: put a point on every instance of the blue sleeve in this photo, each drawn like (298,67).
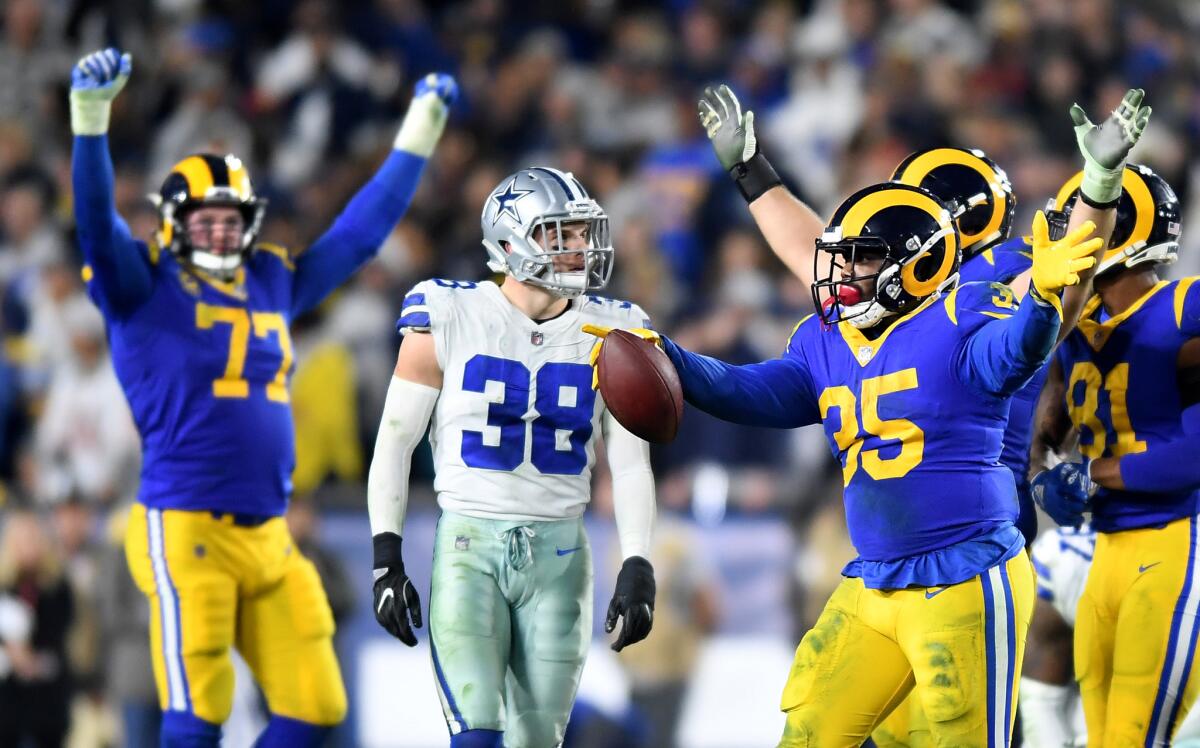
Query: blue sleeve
(120,270)
(1002,355)
(1168,467)
(359,231)
(776,393)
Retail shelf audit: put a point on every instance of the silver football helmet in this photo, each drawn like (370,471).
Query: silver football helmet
(524,222)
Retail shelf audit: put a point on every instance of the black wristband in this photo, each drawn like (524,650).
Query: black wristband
(387,550)
(1098,206)
(754,177)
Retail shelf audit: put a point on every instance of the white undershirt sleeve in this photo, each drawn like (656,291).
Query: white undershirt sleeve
(632,487)
(406,413)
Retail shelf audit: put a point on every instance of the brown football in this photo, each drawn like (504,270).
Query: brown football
(640,386)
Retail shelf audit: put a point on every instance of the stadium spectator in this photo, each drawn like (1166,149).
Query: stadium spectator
(36,689)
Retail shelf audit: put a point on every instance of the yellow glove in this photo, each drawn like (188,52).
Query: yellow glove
(1057,265)
(601,332)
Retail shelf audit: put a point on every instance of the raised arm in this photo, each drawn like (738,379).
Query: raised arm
(363,225)
(119,268)
(1002,355)
(790,227)
(413,392)
(1104,149)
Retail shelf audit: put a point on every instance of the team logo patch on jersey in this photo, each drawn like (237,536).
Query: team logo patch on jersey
(536,337)
(865,352)
(462,543)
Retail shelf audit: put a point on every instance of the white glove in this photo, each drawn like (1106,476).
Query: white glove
(426,117)
(95,82)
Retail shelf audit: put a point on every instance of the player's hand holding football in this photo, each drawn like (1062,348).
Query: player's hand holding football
(730,130)
(1057,264)
(95,81)
(427,114)
(633,602)
(1064,492)
(396,599)
(1105,146)
(602,332)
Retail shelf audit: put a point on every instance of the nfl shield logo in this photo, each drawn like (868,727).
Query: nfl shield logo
(864,353)
(462,543)
(535,337)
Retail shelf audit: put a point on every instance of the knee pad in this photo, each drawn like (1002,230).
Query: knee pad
(289,733)
(186,730)
(478,739)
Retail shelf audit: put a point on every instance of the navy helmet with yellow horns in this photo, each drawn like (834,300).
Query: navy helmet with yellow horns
(977,192)
(207,180)
(905,226)
(1147,225)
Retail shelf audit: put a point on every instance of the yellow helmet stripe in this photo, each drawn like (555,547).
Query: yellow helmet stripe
(1143,207)
(930,160)
(925,287)
(198,174)
(239,177)
(872,203)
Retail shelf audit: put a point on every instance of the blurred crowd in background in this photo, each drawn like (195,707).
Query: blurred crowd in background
(309,93)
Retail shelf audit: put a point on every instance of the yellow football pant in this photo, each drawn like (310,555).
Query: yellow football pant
(214,585)
(906,726)
(957,648)
(1135,635)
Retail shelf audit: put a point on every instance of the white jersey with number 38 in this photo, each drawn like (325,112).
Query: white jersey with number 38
(514,428)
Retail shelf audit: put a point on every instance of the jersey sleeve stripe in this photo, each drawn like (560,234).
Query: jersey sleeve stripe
(1045,593)
(413,299)
(1181,291)
(415,321)
(278,252)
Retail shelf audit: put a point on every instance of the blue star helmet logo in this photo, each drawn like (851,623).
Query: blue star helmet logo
(506,202)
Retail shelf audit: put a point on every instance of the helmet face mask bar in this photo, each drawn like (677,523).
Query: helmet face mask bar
(836,296)
(905,227)
(566,270)
(208,181)
(530,223)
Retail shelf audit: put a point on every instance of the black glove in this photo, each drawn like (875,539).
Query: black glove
(396,598)
(634,600)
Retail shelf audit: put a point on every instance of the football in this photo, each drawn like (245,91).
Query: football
(640,386)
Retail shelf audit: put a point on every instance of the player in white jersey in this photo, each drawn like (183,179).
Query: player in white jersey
(1051,713)
(504,372)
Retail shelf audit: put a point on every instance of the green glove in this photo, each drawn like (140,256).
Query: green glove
(731,131)
(1105,147)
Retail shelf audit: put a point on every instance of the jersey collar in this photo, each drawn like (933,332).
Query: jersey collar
(1097,333)
(863,348)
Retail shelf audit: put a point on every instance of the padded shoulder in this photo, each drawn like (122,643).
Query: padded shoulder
(614,312)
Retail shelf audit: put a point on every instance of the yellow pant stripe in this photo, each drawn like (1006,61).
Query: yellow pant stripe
(177,690)
(1181,650)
